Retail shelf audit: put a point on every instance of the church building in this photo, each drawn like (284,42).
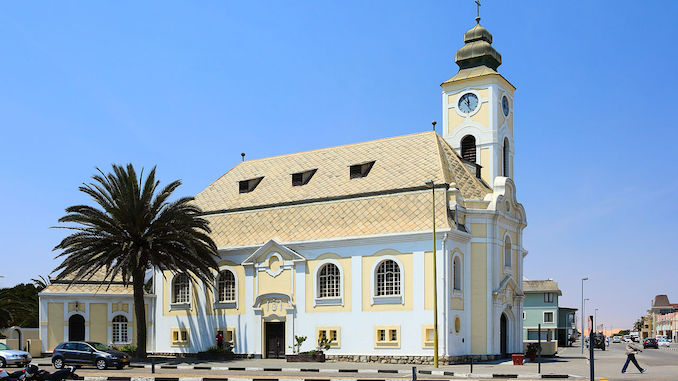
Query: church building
(337,243)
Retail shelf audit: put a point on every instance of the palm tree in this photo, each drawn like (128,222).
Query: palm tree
(132,229)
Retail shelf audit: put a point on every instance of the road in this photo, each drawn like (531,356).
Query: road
(661,364)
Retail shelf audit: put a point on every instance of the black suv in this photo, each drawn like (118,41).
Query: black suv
(88,353)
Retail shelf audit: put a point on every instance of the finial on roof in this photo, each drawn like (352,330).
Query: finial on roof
(478,11)
(477,49)
(243,156)
(434,125)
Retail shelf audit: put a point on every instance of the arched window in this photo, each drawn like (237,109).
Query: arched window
(226,286)
(507,252)
(507,158)
(456,273)
(388,278)
(180,289)
(468,148)
(329,281)
(120,330)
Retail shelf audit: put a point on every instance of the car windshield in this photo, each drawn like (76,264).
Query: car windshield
(4,347)
(100,347)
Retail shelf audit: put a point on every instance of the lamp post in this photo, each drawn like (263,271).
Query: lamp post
(435,276)
(595,319)
(581,338)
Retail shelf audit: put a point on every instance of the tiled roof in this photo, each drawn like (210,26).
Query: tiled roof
(392,198)
(403,212)
(400,162)
(93,288)
(97,276)
(535,286)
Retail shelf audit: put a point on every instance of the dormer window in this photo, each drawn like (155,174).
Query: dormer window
(361,170)
(246,186)
(302,178)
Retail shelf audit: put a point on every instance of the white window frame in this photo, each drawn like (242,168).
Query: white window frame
(331,301)
(225,303)
(553,319)
(180,305)
(390,299)
(458,291)
(120,326)
(508,266)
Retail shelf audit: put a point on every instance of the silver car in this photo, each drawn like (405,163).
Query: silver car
(9,356)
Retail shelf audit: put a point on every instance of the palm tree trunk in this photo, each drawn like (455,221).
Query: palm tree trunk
(140,312)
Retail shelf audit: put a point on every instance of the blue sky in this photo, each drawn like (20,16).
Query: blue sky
(187,86)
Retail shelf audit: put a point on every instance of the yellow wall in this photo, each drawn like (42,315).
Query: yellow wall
(55,324)
(428,280)
(209,294)
(311,266)
(368,261)
(166,295)
(281,283)
(478,297)
(479,230)
(485,164)
(98,322)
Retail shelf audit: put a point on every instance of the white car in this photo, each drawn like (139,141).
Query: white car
(663,343)
(9,356)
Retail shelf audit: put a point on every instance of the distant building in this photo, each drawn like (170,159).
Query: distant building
(662,318)
(540,307)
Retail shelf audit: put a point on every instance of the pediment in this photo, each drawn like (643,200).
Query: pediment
(273,248)
(508,285)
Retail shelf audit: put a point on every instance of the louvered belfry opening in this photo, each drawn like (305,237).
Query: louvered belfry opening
(468,148)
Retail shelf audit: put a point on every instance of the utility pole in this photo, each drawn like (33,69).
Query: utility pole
(581,337)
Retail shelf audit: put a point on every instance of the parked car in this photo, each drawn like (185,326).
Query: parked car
(9,356)
(650,343)
(616,339)
(663,343)
(88,353)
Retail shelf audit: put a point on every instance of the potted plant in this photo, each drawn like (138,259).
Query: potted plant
(531,352)
(316,355)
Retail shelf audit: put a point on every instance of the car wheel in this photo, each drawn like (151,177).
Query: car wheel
(119,367)
(58,363)
(100,364)
(3,363)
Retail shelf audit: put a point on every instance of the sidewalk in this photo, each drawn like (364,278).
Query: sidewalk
(273,369)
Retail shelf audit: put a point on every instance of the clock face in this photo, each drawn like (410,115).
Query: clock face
(468,103)
(505,105)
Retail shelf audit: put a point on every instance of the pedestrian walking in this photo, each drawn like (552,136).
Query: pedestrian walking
(631,350)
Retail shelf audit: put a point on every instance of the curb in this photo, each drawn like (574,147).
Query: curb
(310,370)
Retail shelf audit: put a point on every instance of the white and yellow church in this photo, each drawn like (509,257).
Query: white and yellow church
(337,243)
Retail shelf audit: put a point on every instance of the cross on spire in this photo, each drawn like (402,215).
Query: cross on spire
(478,11)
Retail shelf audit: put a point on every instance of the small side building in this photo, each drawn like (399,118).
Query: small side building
(541,308)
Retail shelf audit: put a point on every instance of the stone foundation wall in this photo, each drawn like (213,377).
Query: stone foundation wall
(421,360)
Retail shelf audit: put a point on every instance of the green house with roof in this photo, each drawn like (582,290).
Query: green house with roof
(540,307)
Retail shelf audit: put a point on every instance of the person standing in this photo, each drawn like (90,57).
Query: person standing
(631,350)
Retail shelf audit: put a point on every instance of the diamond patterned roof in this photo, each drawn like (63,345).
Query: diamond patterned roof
(390,199)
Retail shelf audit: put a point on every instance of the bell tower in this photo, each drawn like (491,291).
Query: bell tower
(478,107)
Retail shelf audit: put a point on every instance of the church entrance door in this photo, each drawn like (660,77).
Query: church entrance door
(76,328)
(275,339)
(503,335)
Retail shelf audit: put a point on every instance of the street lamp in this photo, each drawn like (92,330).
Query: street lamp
(581,337)
(435,275)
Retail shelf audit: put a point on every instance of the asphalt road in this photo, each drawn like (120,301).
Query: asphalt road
(660,364)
